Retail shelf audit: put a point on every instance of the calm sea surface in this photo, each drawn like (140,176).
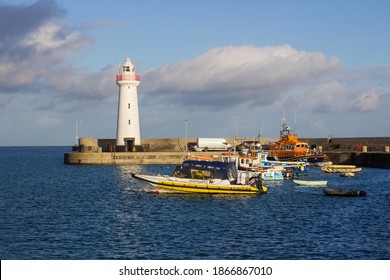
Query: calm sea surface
(49,210)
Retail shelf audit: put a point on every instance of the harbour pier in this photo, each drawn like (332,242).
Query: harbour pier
(362,151)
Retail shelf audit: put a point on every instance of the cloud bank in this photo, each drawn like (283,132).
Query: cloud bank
(334,97)
(33,62)
(277,76)
(224,77)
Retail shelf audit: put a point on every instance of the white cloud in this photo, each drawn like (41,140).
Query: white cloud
(335,97)
(366,101)
(325,97)
(42,71)
(40,54)
(52,37)
(225,77)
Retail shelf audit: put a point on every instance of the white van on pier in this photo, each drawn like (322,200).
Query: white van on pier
(212,144)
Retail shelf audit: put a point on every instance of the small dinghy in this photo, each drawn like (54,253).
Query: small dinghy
(333,192)
(341,169)
(310,183)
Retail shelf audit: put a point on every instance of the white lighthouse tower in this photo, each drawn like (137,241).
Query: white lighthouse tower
(128,131)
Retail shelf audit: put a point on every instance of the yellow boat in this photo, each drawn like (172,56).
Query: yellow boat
(207,177)
(182,185)
(209,188)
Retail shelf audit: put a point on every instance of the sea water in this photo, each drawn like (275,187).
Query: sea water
(50,210)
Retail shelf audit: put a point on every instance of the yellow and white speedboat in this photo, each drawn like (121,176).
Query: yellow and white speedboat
(207,177)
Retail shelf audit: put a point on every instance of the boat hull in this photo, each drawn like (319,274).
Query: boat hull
(312,159)
(272,176)
(332,192)
(341,169)
(316,159)
(309,183)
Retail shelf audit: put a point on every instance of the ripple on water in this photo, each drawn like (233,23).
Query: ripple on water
(57,211)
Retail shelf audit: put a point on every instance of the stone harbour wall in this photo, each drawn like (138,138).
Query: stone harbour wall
(133,157)
(369,151)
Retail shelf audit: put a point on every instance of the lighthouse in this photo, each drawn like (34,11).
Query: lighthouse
(128,130)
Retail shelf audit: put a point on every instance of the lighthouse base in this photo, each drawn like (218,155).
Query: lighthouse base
(127,149)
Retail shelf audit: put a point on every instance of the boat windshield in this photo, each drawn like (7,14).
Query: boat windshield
(194,169)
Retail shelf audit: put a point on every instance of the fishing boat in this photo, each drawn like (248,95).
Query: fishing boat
(310,183)
(258,161)
(332,192)
(289,148)
(250,161)
(198,176)
(341,169)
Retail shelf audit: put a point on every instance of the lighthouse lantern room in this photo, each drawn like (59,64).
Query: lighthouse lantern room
(128,128)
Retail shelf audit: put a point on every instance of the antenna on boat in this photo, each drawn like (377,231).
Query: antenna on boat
(295,119)
(235,141)
(235,150)
(261,134)
(261,130)
(285,129)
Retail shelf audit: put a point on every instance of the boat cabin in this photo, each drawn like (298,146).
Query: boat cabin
(198,169)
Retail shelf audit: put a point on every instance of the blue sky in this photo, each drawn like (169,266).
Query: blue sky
(228,67)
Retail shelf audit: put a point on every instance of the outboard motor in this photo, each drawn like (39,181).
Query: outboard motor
(255,181)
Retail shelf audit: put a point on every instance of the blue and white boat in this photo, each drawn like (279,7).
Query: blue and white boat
(272,175)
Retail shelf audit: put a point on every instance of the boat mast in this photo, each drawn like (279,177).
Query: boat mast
(285,129)
(295,120)
(260,135)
